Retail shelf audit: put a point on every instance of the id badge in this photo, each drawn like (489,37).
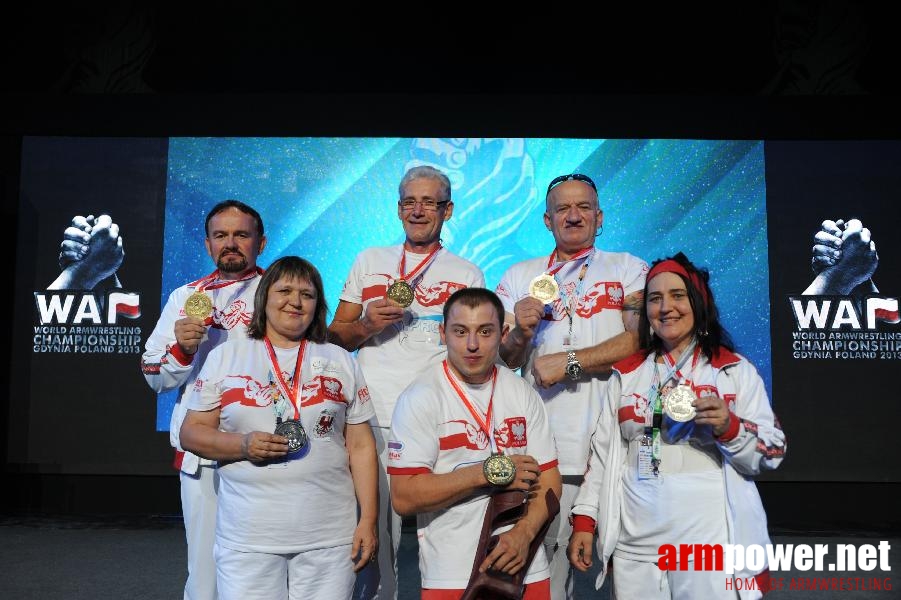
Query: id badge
(646,460)
(569,342)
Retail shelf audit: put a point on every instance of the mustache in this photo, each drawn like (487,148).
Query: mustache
(231,251)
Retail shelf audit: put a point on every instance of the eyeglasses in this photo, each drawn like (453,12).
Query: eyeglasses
(572,176)
(427,205)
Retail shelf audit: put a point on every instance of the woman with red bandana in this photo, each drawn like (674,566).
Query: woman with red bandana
(685,426)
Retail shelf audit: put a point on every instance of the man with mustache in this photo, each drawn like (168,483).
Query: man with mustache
(191,324)
(572,314)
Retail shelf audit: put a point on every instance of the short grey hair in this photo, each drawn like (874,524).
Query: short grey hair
(426,172)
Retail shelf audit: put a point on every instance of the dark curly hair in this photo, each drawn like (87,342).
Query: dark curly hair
(708,331)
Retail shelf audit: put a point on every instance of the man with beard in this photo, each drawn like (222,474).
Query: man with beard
(198,317)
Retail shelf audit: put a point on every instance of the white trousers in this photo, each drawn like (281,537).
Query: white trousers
(379,579)
(555,543)
(325,574)
(198,506)
(645,581)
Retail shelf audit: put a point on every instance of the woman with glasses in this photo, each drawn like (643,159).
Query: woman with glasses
(286,415)
(685,426)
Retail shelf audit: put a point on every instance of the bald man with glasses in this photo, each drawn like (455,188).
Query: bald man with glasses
(389,312)
(572,313)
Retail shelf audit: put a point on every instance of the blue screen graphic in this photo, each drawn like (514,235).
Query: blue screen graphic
(326,199)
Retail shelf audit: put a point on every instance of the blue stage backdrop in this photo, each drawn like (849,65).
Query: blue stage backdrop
(326,199)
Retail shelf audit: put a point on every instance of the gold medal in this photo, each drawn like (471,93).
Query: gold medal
(544,288)
(499,469)
(199,305)
(401,292)
(677,404)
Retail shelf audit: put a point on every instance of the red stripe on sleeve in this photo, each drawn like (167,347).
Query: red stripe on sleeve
(408,470)
(182,358)
(583,523)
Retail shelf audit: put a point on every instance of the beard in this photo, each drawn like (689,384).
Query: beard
(232,263)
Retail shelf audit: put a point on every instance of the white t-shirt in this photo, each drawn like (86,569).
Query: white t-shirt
(433,432)
(573,407)
(391,359)
(164,365)
(307,501)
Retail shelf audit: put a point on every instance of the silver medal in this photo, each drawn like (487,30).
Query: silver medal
(294,431)
(677,404)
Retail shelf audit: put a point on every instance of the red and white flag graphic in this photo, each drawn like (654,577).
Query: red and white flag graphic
(127,304)
(883,309)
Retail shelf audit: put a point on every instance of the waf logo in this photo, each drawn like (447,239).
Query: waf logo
(512,433)
(322,389)
(603,294)
(837,313)
(86,307)
(325,422)
(437,293)
(233,315)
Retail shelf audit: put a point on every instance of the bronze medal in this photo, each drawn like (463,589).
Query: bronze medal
(401,292)
(544,288)
(499,469)
(198,305)
(294,431)
(677,404)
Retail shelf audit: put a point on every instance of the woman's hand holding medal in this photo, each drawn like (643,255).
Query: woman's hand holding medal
(258,446)
(712,410)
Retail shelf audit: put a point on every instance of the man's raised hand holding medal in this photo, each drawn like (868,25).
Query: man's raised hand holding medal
(189,330)
(176,352)
(389,313)
(571,317)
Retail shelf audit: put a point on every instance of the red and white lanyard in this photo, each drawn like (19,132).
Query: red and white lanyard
(291,394)
(420,269)
(485,423)
(212,281)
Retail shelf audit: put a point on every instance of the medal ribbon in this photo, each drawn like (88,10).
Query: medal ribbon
(207,282)
(420,268)
(280,381)
(655,392)
(557,265)
(570,303)
(487,421)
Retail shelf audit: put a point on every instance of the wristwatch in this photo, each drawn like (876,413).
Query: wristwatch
(573,368)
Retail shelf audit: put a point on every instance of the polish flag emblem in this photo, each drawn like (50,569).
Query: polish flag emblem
(127,304)
(883,309)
